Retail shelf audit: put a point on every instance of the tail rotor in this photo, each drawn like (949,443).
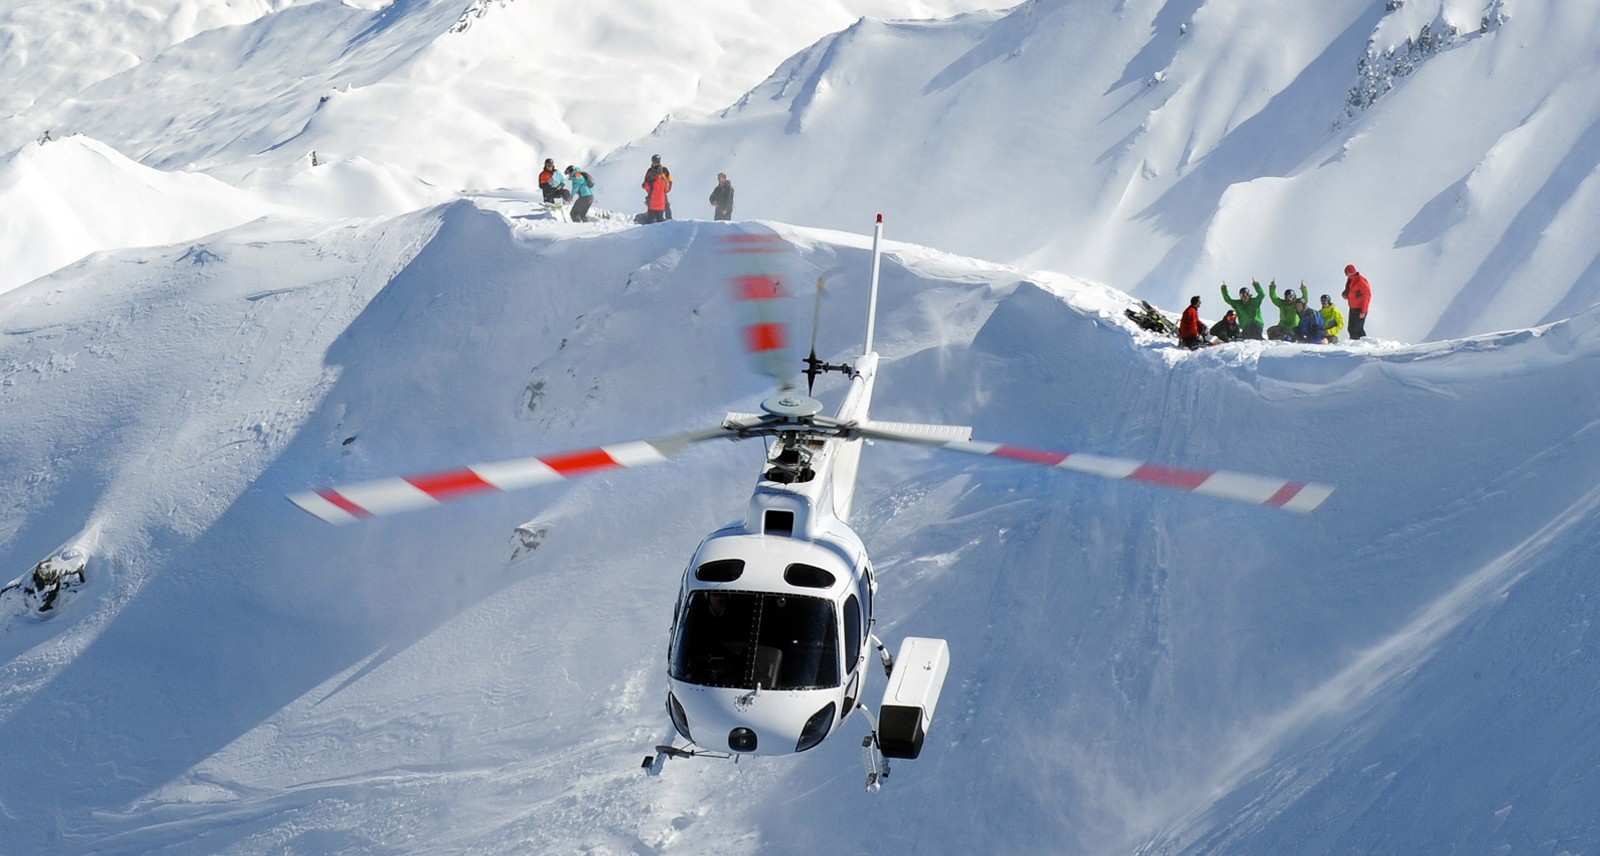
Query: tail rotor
(815,366)
(756,278)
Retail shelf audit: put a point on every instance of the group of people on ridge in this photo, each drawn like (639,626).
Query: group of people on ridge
(657,185)
(554,185)
(1297,320)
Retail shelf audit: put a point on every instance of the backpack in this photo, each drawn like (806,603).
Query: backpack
(586,177)
(1150,318)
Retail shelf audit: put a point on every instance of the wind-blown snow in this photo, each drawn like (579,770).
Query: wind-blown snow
(195,320)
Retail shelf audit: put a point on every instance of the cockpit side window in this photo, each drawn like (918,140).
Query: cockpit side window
(807,576)
(720,571)
(745,639)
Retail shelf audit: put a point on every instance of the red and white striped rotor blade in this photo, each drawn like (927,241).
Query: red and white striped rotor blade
(379,497)
(1299,497)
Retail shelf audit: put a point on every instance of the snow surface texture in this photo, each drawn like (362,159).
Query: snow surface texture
(197,320)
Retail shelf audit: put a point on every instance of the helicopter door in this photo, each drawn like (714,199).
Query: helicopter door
(866,585)
(854,633)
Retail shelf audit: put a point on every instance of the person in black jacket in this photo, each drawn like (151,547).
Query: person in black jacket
(722,197)
(1227,330)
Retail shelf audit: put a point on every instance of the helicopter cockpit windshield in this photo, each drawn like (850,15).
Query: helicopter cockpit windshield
(741,639)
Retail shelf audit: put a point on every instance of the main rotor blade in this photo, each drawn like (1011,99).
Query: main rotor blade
(379,497)
(1299,497)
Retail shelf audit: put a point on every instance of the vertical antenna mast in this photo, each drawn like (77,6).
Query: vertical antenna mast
(872,293)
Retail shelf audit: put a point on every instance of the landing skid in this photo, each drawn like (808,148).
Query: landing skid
(653,763)
(872,754)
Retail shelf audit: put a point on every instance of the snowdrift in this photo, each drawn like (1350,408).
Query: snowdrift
(70,197)
(1133,671)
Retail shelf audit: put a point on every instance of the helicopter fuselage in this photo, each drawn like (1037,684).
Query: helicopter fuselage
(769,642)
(773,621)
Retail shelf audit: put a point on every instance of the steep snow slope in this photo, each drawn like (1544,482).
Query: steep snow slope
(1446,147)
(1169,145)
(53,49)
(1132,669)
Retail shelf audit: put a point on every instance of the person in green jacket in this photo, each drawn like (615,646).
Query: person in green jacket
(1248,309)
(1288,318)
(1332,319)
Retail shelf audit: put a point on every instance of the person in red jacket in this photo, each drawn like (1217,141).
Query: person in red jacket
(657,184)
(1358,292)
(1191,333)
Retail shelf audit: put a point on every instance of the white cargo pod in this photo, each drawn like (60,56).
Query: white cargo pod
(912,694)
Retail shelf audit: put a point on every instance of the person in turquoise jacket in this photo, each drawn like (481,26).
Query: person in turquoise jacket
(1247,308)
(1288,317)
(1332,319)
(582,185)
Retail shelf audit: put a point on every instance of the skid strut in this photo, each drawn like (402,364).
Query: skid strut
(872,758)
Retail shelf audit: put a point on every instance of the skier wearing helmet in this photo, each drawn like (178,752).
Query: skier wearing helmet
(1228,329)
(1248,308)
(1309,328)
(1332,319)
(553,185)
(1288,316)
(582,185)
(657,184)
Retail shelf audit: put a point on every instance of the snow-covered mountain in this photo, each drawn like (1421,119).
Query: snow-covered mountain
(1444,146)
(1171,146)
(196,320)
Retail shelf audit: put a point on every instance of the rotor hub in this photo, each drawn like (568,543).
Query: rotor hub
(792,405)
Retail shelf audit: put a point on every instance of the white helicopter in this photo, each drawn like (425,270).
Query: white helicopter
(774,627)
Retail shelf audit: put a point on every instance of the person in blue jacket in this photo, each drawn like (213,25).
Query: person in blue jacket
(1309,330)
(583,186)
